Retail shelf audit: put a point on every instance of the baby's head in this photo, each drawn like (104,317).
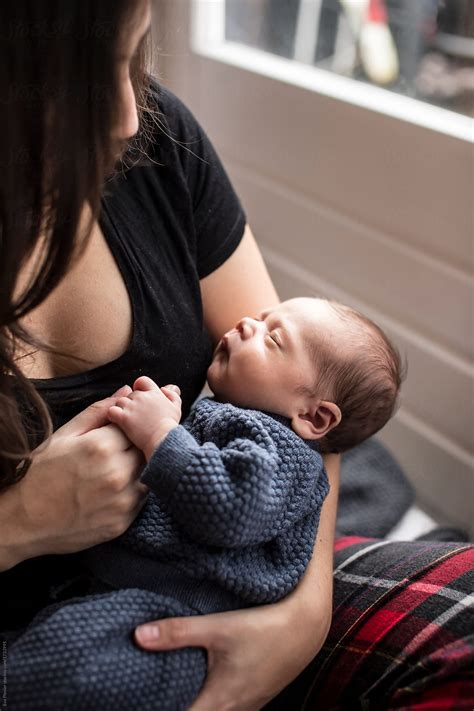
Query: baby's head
(321,364)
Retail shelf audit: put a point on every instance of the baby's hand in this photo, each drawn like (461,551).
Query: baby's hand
(147,414)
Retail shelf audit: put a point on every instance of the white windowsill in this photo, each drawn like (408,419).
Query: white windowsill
(337,87)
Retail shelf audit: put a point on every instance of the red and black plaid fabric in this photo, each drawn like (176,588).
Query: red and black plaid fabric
(402,635)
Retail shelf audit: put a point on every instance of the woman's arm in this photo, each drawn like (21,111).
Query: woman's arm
(254,653)
(315,589)
(240,287)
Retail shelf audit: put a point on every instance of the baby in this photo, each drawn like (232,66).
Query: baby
(322,365)
(235,498)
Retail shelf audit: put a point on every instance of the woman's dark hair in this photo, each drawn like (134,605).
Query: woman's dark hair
(59,100)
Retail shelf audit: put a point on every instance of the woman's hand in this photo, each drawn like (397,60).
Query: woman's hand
(82,488)
(252,654)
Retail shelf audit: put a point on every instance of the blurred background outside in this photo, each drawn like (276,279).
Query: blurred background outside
(420,48)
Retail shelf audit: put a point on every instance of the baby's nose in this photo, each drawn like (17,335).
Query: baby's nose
(247,327)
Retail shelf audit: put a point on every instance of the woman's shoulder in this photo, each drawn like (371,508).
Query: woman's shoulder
(183,172)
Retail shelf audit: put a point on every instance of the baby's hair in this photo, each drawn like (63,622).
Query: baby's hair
(364,386)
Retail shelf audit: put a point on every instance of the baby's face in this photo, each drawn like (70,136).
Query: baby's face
(262,362)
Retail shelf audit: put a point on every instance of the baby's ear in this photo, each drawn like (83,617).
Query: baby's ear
(316,423)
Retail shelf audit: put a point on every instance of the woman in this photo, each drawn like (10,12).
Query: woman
(115,273)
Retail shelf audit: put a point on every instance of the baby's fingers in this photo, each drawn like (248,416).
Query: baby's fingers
(145,383)
(173,393)
(118,415)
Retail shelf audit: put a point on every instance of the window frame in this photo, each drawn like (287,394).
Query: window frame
(208,40)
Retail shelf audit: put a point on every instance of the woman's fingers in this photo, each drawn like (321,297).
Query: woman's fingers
(94,416)
(131,465)
(109,437)
(133,460)
(176,632)
(252,654)
(228,675)
(123,391)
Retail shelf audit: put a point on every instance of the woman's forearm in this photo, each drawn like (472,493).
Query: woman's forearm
(314,592)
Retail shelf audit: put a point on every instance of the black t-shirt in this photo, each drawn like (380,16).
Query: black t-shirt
(170,220)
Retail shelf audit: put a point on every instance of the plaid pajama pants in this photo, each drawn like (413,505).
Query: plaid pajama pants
(402,635)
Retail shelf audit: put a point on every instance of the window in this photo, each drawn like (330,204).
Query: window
(415,49)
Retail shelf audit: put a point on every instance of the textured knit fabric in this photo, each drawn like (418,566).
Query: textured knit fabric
(81,656)
(402,635)
(238,497)
(231,521)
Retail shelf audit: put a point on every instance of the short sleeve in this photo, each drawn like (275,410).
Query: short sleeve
(218,216)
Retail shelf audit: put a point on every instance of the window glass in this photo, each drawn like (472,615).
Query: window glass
(420,48)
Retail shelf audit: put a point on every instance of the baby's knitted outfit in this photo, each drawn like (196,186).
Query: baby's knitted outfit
(230,522)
